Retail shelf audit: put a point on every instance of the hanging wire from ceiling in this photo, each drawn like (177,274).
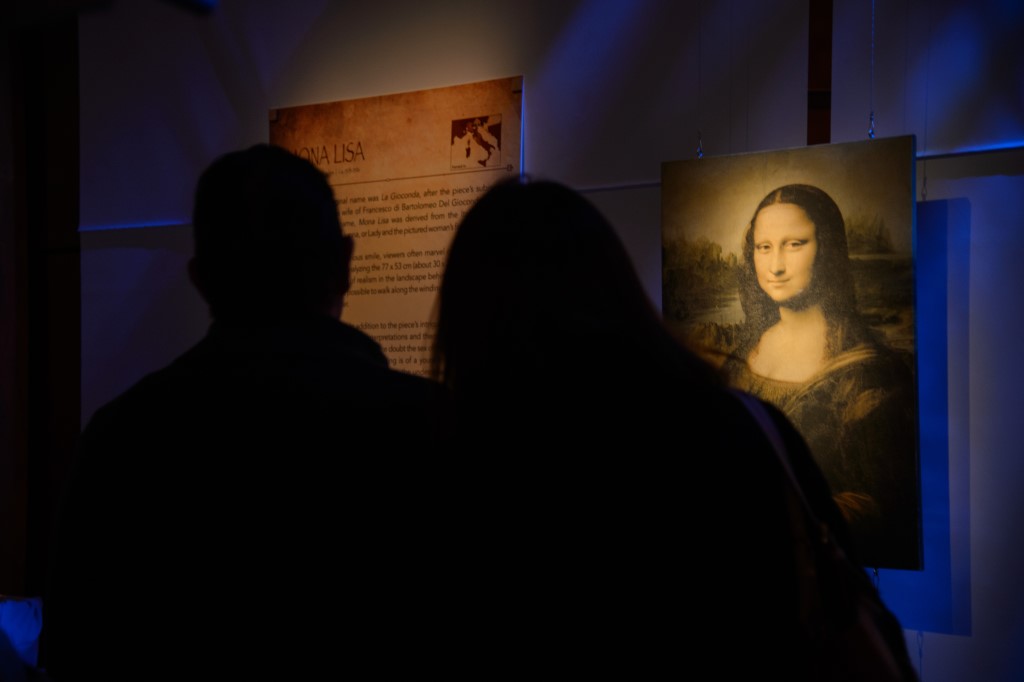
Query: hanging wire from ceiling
(927,78)
(871,84)
(700,99)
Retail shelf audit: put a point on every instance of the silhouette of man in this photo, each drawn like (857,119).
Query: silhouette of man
(227,511)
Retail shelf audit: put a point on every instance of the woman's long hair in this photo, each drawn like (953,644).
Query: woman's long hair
(831,277)
(536,283)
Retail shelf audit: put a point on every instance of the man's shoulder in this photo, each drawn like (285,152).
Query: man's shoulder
(153,387)
(266,381)
(321,355)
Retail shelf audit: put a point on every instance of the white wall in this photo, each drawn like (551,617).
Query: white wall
(952,74)
(613,89)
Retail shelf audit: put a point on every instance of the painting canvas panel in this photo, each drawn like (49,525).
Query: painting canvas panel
(792,272)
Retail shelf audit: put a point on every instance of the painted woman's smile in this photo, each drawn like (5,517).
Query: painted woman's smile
(784,250)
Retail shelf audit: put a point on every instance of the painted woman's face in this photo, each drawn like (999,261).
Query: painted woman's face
(784,251)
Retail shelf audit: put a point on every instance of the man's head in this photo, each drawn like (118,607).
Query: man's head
(268,243)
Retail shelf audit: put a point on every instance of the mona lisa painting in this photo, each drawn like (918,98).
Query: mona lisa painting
(792,272)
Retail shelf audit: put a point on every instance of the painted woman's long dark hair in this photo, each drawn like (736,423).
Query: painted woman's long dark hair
(831,277)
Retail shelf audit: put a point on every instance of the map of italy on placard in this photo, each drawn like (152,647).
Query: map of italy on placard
(405,168)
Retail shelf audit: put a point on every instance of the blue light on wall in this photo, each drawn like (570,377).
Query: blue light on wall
(937,598)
